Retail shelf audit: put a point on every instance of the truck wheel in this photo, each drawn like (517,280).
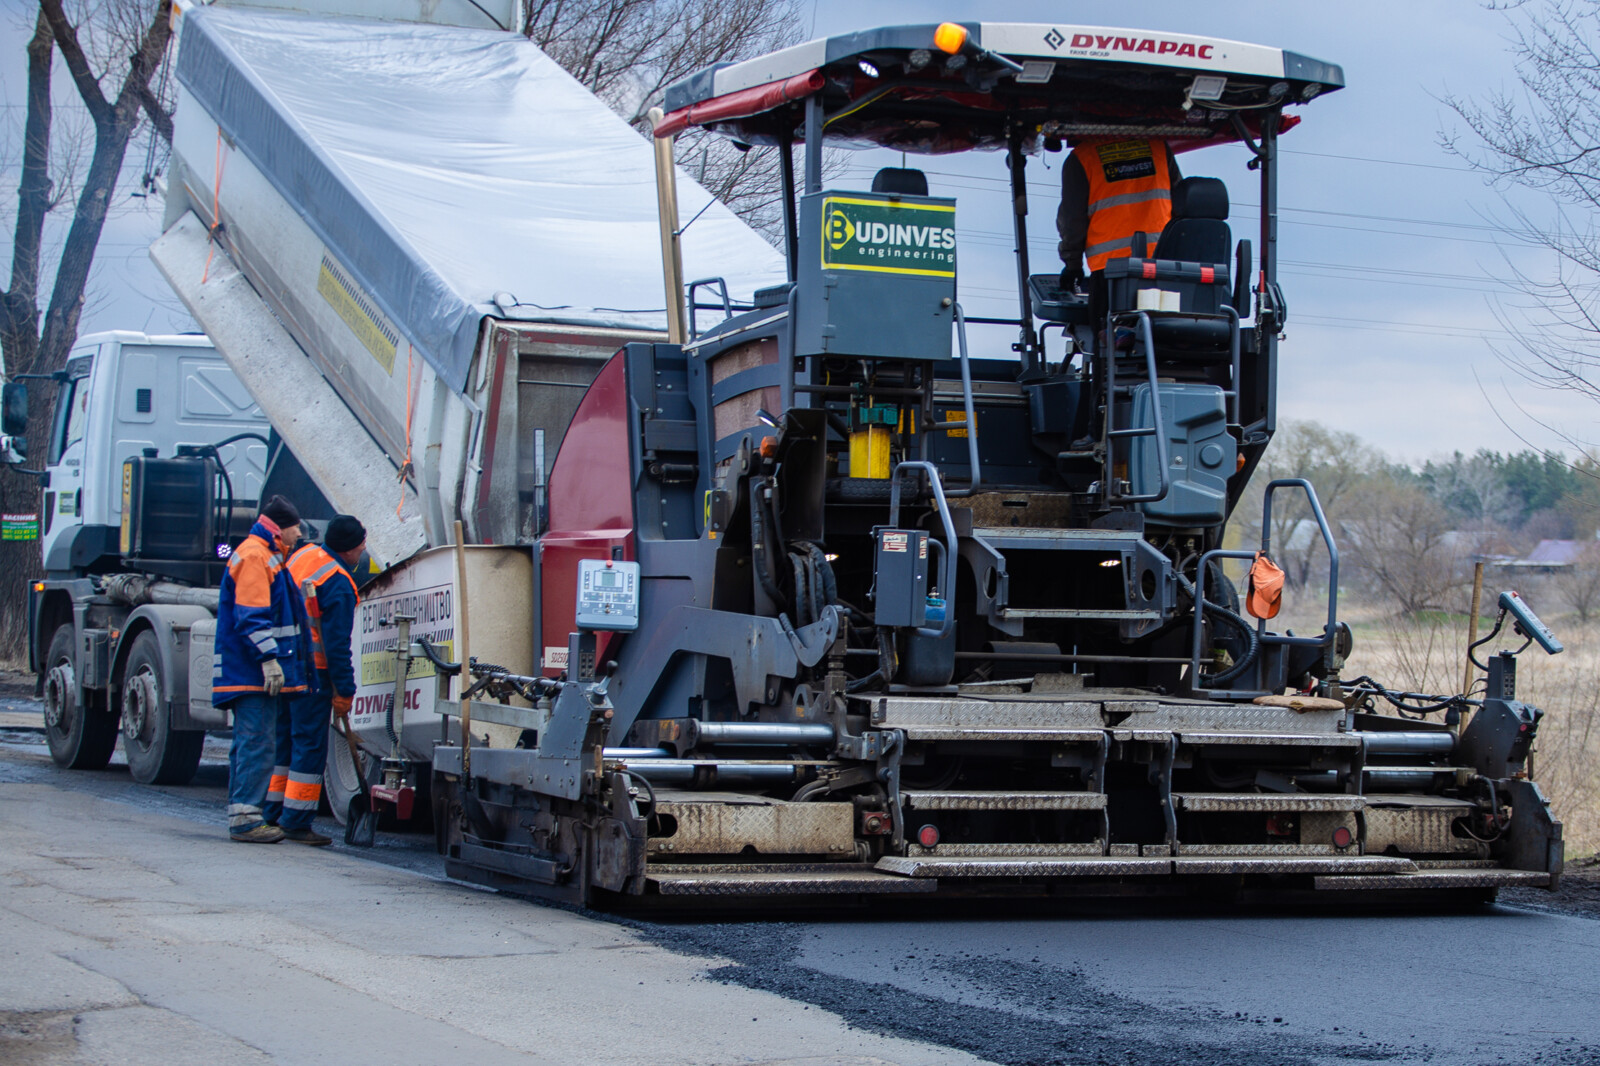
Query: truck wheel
(157,753)
(80,737)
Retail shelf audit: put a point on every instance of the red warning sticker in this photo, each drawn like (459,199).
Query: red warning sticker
(895,542)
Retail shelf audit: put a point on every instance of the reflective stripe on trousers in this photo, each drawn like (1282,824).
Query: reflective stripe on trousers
(303,791)
(275,785)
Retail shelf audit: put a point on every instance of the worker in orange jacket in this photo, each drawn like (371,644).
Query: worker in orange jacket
(296,787)
(1110,190)
(261,658)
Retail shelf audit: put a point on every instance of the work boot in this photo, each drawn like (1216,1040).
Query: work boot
(261,834)
(306,836)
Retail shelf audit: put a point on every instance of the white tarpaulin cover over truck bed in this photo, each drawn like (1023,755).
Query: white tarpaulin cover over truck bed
(456,173)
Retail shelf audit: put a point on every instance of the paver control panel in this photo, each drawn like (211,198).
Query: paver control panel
(608,595)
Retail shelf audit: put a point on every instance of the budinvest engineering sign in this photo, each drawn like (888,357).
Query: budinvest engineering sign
(888,237)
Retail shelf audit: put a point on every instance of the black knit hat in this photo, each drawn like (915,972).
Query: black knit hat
(345,533)
(283,513)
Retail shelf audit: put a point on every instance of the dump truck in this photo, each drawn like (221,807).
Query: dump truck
(160,451)
(829,600)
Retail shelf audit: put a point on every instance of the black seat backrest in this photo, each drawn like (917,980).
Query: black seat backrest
(905,182)
(1198,232)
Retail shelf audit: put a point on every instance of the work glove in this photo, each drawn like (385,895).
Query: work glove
(272,677)
(341,706)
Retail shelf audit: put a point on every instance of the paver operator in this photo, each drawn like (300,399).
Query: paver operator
(302,751)
(261,657)
(1111,190)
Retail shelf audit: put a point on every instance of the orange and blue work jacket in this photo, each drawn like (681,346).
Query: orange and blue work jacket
(332,613)
(259,617)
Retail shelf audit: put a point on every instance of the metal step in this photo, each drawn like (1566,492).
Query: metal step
(1354,864)
(1112,866)
(779,880)
(1091,848)
(1474,877)
(998,800)
(1021,866)
(1270,802)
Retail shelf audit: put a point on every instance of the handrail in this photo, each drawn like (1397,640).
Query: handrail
(970,425)
(1235,361)
(1326,640)
(1333,556)
(1147,339)
(727,304)
(947,587)
(1200,610)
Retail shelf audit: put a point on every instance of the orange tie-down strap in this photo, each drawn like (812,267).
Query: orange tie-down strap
(1265,596)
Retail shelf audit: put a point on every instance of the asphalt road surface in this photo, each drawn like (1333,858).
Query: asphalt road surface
(131,931)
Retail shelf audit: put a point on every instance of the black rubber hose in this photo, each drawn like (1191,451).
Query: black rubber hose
(804,608)
(445,667)
(1254,649)
(761,547)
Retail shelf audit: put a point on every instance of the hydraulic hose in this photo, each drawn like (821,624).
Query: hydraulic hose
(1249,657)
(761,546)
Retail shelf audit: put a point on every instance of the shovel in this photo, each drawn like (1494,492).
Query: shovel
(360,822)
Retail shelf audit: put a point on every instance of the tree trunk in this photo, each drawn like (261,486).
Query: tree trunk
(26,348)
(19,307)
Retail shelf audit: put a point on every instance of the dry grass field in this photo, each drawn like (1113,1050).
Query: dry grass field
(1427,654)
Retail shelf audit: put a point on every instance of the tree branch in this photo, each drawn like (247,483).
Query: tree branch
(156,113)
(66,35)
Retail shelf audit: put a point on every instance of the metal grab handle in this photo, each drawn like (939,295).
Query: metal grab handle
(1159,429)
(1327,638)
(727,304)
(1200,608)
(970,425)
(947,586)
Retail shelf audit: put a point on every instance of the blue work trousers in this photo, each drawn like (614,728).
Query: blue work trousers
(255,724)
(302,753)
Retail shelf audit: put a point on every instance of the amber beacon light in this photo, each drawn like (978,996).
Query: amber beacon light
(950,38)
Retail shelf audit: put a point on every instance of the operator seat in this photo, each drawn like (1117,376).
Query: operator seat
(1197,245)
(1198,232)
(899,181)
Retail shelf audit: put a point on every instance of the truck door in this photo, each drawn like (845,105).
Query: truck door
(63,493)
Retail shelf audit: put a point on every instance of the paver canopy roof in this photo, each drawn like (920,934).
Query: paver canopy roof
(892,87)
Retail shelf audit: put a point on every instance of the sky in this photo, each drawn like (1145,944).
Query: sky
(1395,265)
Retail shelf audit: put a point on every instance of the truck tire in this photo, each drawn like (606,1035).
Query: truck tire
(80,738)
(157,753)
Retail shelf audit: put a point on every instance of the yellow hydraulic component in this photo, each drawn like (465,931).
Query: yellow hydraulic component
(869,452)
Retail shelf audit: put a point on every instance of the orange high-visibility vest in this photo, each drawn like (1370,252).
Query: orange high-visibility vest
(313,563)
(1130,191)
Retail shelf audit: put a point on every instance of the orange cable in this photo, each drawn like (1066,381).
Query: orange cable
(216,213)
(405,468)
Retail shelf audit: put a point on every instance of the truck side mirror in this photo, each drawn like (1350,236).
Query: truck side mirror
(14,409)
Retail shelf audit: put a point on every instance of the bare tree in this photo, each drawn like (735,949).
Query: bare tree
(628,51)
(1335,462)
(118,41)
(1544,135)
(1404,547)
(1579,586)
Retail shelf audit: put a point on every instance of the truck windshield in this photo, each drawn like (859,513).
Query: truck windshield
(72,406)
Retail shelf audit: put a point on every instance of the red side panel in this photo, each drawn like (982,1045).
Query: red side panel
(741,104)
(591,504)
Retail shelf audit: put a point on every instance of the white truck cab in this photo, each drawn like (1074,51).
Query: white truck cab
(123,394)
